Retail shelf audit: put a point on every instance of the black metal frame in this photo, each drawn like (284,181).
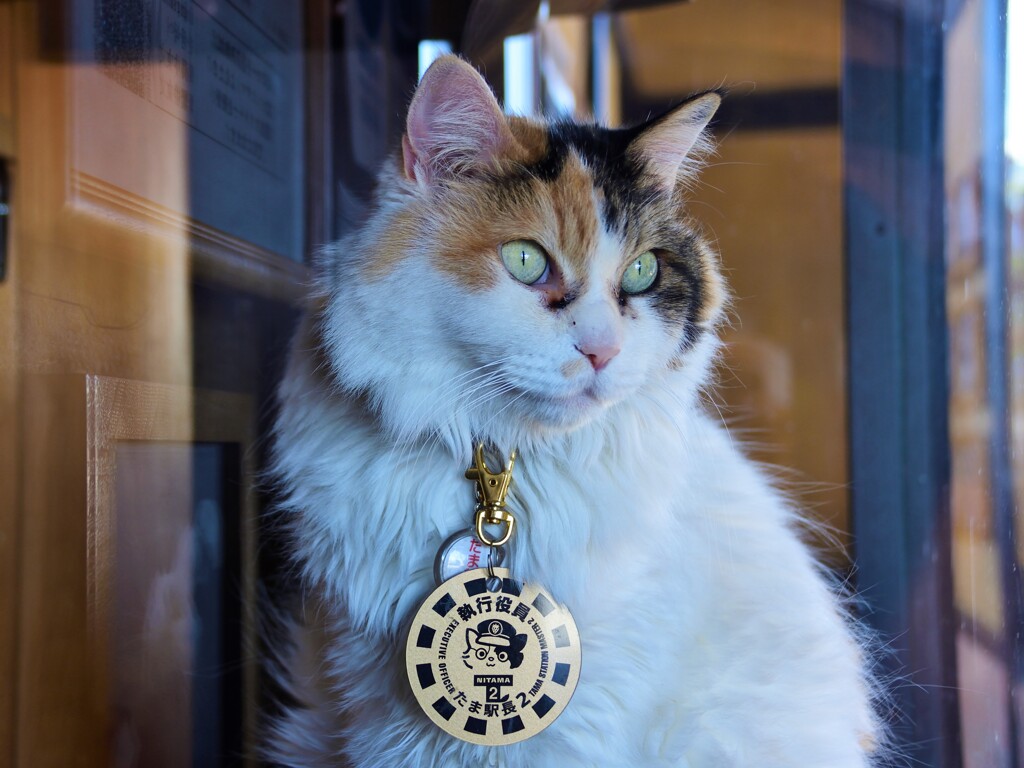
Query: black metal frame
(898,407)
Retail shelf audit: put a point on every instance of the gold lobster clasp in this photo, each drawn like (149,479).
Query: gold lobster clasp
(491,489)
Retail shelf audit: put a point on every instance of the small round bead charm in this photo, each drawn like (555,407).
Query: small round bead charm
(464,552)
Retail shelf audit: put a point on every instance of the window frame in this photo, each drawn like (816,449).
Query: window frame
(894,202)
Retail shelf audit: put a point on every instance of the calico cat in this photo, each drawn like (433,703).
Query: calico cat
(541,287)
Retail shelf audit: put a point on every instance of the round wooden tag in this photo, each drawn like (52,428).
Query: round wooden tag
(489,667)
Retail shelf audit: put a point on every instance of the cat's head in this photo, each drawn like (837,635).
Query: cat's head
(493,644)
(516,279)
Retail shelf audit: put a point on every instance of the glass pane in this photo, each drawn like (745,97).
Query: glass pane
(167,166)
(157,155)
(985,306)
(1014,138)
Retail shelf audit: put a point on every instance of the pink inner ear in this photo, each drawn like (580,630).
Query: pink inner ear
(454,123)
(674,143)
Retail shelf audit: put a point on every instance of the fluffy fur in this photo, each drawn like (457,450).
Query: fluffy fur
(710,637)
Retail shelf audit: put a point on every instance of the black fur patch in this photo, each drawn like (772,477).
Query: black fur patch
(603,151)
(678,291)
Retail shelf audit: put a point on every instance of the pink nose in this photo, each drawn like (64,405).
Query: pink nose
(599,355)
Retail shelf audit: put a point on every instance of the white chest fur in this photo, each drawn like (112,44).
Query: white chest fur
(709,637)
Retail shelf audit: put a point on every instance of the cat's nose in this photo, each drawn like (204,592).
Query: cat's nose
(597,330)
(599,355)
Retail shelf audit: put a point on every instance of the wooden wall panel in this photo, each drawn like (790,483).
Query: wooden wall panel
(59,714)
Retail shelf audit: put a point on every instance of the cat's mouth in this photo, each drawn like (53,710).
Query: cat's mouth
(563,411)
(584,398)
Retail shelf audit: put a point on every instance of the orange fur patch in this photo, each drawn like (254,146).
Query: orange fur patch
(403,231)
(714,286)
(576,219)
(473,225)
(467,225)
(532,138)
(476,220)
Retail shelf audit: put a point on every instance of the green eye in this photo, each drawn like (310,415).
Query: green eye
(639,276)
(525,260)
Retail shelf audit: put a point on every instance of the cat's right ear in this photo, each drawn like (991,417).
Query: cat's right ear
(454,125)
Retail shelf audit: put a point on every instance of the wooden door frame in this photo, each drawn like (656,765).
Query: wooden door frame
(9,455)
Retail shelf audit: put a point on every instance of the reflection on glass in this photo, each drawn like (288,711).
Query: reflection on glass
(1014,136)
(176,639)
(985,310)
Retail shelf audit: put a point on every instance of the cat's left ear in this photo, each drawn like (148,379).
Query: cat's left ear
(672,145)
